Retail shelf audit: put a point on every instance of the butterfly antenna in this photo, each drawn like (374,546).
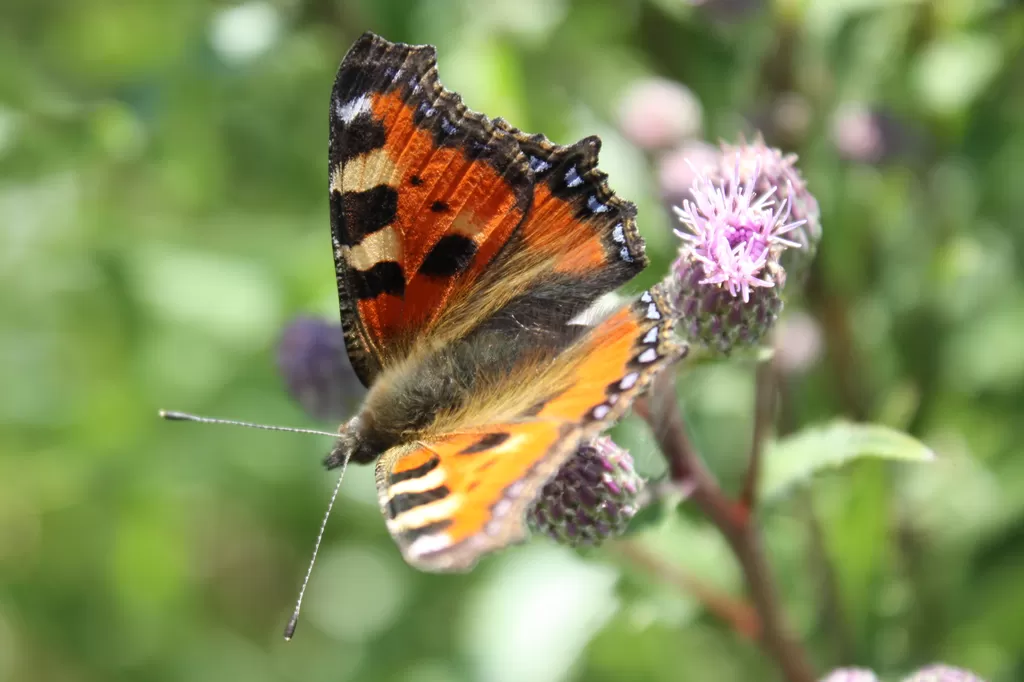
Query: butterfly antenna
(289,630)
(185,417)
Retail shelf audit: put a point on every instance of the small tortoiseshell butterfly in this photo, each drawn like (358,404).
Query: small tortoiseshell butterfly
(469,256)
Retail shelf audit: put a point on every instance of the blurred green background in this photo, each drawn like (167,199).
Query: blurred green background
(163,216)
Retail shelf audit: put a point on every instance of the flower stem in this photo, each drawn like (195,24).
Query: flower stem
(740,615)
(734,522)
(764,413)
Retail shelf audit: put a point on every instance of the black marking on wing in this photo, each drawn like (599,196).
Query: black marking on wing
(385,277)
(451,255)
(403,502)
(363,213)
(489,441)
(416,472)
(363,134)
(412,534)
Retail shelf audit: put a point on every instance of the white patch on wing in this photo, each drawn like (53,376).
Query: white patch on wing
(428,544)
(440,510)
(539,165)
(364,172)
(347,111)
(376,247)
(596,206)
(629,381)
(649,355)
(598,310)
(422,484)
(572,177)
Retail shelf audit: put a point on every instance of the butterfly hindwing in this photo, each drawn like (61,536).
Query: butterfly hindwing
(448,500)
(451,497)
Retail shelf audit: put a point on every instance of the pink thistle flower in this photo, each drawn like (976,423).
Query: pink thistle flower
(741,217)
(778,169)
(735,233)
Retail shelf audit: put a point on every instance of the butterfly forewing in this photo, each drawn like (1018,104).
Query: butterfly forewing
(423,192)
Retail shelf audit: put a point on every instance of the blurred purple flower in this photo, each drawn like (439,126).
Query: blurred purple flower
(798,342)
(312,360)
(787,119)
(875,136)
(592,497)
(679,168)
(657,113)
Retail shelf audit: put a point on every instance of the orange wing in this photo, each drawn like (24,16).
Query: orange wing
(431,211)
(453,497)
(423,194)
(575,218)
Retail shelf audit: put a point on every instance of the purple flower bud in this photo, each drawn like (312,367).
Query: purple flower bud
(657,113)
(851,675)
(943,673)
(591,498)
(312,361)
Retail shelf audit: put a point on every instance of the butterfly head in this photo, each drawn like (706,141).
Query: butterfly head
(351,444)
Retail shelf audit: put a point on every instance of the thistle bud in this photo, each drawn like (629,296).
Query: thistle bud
(728,278)
(591,498)
(312,361)
(943,673)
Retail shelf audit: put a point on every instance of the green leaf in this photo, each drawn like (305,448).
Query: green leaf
(797,458)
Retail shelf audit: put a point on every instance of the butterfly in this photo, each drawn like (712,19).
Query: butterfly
(469,256)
